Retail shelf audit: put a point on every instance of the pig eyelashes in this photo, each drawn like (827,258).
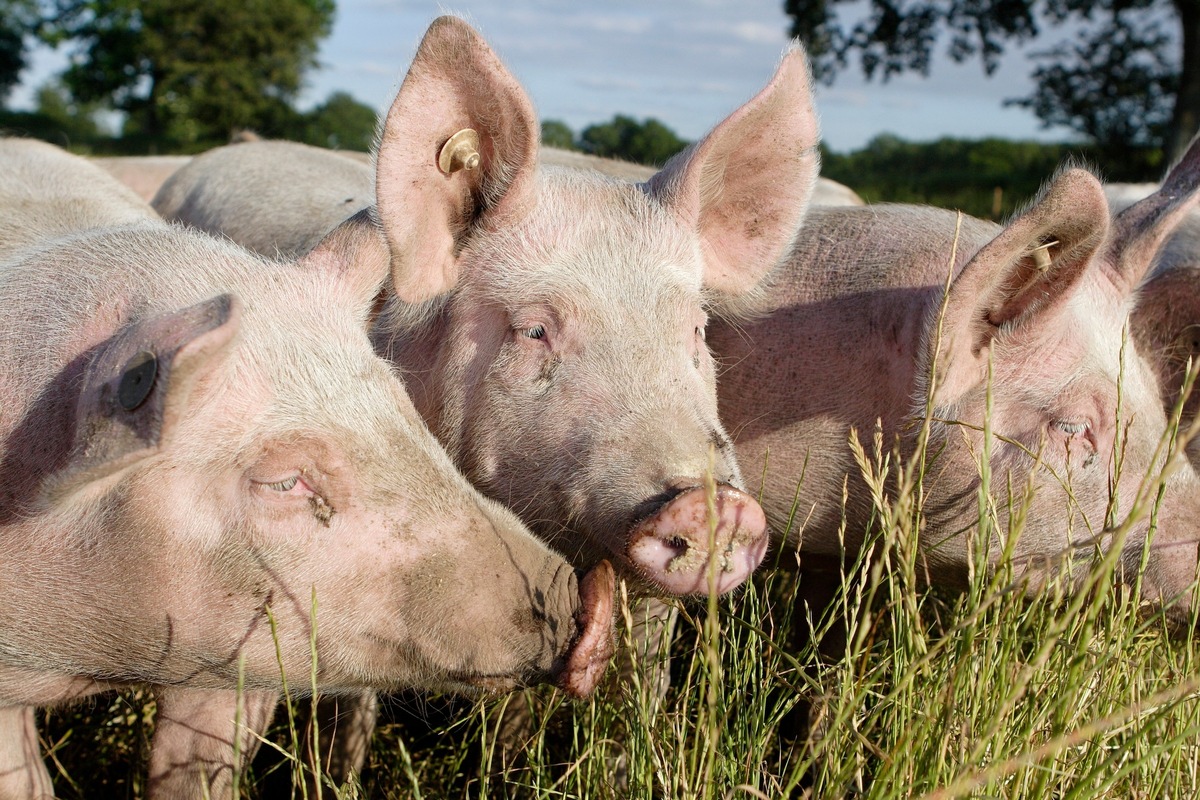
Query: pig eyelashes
(284,485)
(537,332)
(1071,427)
(1078,433)
(293,486)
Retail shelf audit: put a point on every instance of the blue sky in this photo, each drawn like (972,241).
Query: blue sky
(687,63)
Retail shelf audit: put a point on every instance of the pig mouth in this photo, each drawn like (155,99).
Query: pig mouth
(699,540)
(579,670)
(593,647)
(487,685)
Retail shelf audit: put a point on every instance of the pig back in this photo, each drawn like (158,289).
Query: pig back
(46,193)
(305,191)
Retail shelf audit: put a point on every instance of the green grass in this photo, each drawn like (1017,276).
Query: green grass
(1079,691)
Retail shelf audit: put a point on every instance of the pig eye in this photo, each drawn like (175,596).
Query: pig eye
(536,332)
(700,333)
(293,485)
(1070,427)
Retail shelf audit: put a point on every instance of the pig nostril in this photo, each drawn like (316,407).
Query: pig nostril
(677,543)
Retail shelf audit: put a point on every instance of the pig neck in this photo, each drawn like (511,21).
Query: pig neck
(848,310)
(39,606)
(833,343)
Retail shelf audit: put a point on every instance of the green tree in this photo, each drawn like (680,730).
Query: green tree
(556,133)
(341,123)
(18,19)
(1120,83)
(56,118)
(648,142)
(985,177)
(77,121)
(188,72)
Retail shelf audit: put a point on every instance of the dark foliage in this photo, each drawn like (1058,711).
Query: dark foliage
(1120,82)
(988,178)
(648,142)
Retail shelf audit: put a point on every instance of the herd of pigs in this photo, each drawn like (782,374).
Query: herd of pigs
(425,411)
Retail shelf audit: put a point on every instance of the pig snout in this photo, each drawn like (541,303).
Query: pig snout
(674,547)
(591,651)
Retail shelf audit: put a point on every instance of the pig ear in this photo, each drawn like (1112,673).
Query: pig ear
(745,186)
(356,254)
(1021,277)
(1165,326)
(136,388)
(1141,230)
(456,83)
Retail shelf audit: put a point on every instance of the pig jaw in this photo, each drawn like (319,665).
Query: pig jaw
(555,627)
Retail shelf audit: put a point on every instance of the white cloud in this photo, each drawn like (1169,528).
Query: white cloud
(759,33)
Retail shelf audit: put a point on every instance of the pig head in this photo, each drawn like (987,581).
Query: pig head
(204,465)
(1015,339)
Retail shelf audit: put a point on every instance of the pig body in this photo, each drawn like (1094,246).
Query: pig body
(336,188)
(194,439)
(847,336)
(145,175)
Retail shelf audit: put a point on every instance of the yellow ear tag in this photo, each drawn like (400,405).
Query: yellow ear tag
(1041,256)
(461,151)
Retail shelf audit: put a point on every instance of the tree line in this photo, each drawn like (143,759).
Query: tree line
(180,75)
(1122,73)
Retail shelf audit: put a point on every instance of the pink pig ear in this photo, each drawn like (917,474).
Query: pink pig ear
(1020,278)
(456,83)
(136,389)
(746,185)
(1141,230)
(357,255)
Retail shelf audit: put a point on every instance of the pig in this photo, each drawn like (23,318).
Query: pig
(848,338)
(144,174)
(550,322)
(200,450)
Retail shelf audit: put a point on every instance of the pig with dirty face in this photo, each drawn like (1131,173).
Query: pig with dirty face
(1026,344)
(550,323)
(203,462)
